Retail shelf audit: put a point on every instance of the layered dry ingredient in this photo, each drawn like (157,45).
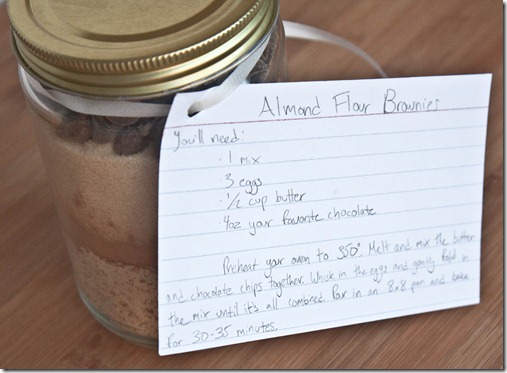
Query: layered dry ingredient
(105,180)
(104,174)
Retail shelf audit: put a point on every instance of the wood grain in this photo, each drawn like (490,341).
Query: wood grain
(44,325)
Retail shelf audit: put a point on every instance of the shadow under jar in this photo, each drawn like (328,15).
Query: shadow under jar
(77,61)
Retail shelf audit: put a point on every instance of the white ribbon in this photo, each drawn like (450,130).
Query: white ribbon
(305,32)
(213,96)
(217,94)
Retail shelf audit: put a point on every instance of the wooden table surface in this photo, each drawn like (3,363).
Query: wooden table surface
(43,323)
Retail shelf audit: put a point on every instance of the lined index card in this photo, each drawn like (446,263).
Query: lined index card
(295,207)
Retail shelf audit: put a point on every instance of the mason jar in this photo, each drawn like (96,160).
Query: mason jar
(89,69)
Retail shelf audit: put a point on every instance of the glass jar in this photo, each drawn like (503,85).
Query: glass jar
(103,168)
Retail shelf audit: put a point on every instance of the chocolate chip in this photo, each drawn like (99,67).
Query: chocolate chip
(259,73)
(145,127)
(75,127)
(129,141)
(103,131)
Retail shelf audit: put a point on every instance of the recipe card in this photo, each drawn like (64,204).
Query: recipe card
(295,207)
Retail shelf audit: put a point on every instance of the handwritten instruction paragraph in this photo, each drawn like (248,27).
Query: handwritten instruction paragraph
(295,207)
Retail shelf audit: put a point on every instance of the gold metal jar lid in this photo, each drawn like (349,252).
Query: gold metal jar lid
(135,48)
